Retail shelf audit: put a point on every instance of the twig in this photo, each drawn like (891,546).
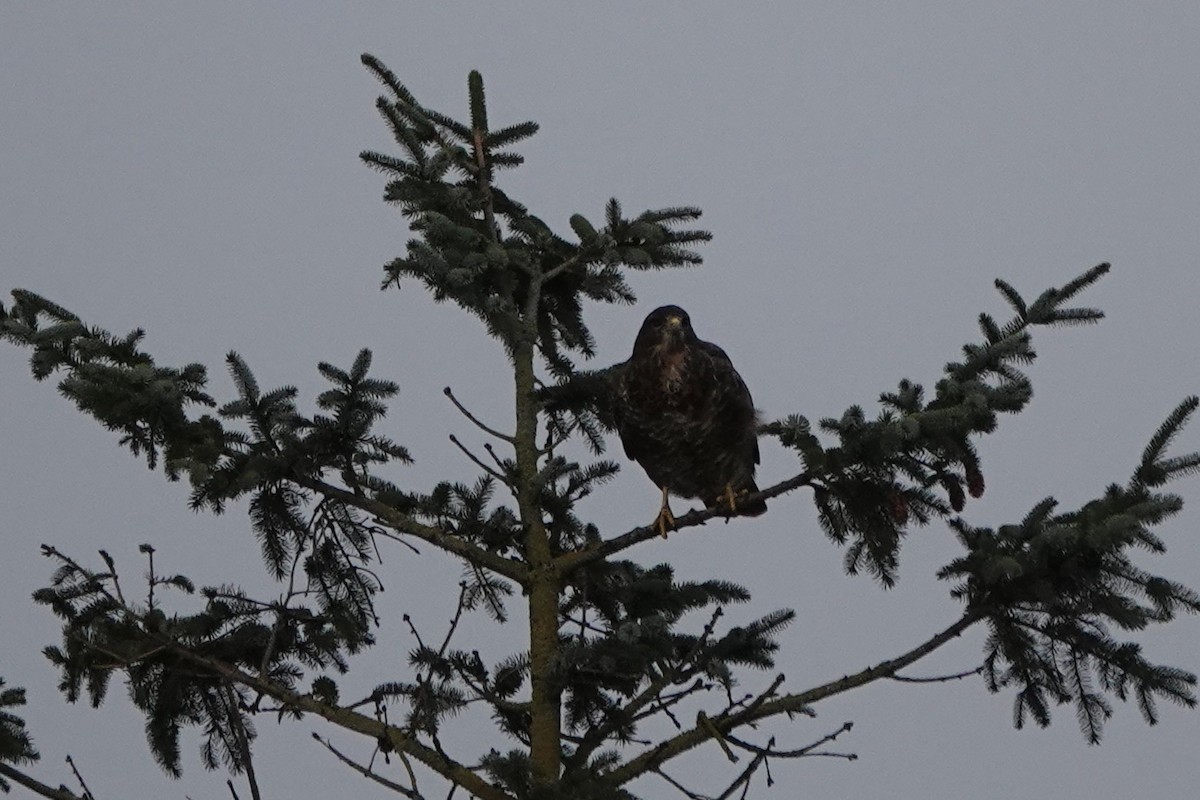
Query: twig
(462,596)
(491,451)
(412,777)
(486,429)
(939,678)
(112,571)
(475,459)
(686,791)
(763,708)
(366,772)
(87,793)
(243,740)
(702,721)
(232,791)
(663,702)
(149,551)
(808,750)
(408,620)
(743,779)
(553,441)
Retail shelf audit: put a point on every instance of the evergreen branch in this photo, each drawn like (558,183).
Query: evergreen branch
(597,735)
(561,267)
(367,772)
(437,761)
(503,436)
(1012,296)
(37,787)
(573,560)
(479,132)
(398,521)
(789,703)
(1151,471)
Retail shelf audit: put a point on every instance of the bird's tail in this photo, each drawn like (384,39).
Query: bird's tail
(732,500)
(751,508)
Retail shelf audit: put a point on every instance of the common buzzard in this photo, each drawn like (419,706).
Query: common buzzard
(683,413)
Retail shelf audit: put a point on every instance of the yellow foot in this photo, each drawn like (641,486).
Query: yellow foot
(665,520)
(729,496)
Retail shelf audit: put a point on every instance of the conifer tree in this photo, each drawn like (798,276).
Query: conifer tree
(628,666)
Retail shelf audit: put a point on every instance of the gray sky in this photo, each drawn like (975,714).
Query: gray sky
(867,170)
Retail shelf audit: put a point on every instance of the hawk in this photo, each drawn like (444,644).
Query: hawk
(683,413)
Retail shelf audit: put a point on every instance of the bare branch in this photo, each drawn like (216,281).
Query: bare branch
(485,428)
(413,794)
(412,778)
(243,741)
(743,778)
(728,721)
(957,676)
(686,791)
(37,787)
(475,459)
(462,602)
(808,750)
(87,793)
(491,451)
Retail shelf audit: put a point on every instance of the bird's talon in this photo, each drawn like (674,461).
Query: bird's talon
(730,498)
(665,520)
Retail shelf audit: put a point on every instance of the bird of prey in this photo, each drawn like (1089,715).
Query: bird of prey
(683,413)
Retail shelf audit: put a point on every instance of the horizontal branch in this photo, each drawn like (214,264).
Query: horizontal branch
(670,748)
(403,523)
(436,760)
(579,558)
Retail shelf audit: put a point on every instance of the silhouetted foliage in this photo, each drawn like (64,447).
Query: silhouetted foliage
(619,652)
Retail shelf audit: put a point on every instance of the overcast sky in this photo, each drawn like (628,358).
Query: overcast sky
(867,170)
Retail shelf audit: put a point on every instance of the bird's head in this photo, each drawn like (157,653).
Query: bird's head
(666,326)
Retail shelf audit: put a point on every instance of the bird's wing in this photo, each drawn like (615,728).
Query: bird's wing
(727,375)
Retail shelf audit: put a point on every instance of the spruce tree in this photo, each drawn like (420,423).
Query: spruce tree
(629,666)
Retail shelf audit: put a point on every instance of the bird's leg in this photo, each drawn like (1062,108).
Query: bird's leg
(665,519)
(730,498)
